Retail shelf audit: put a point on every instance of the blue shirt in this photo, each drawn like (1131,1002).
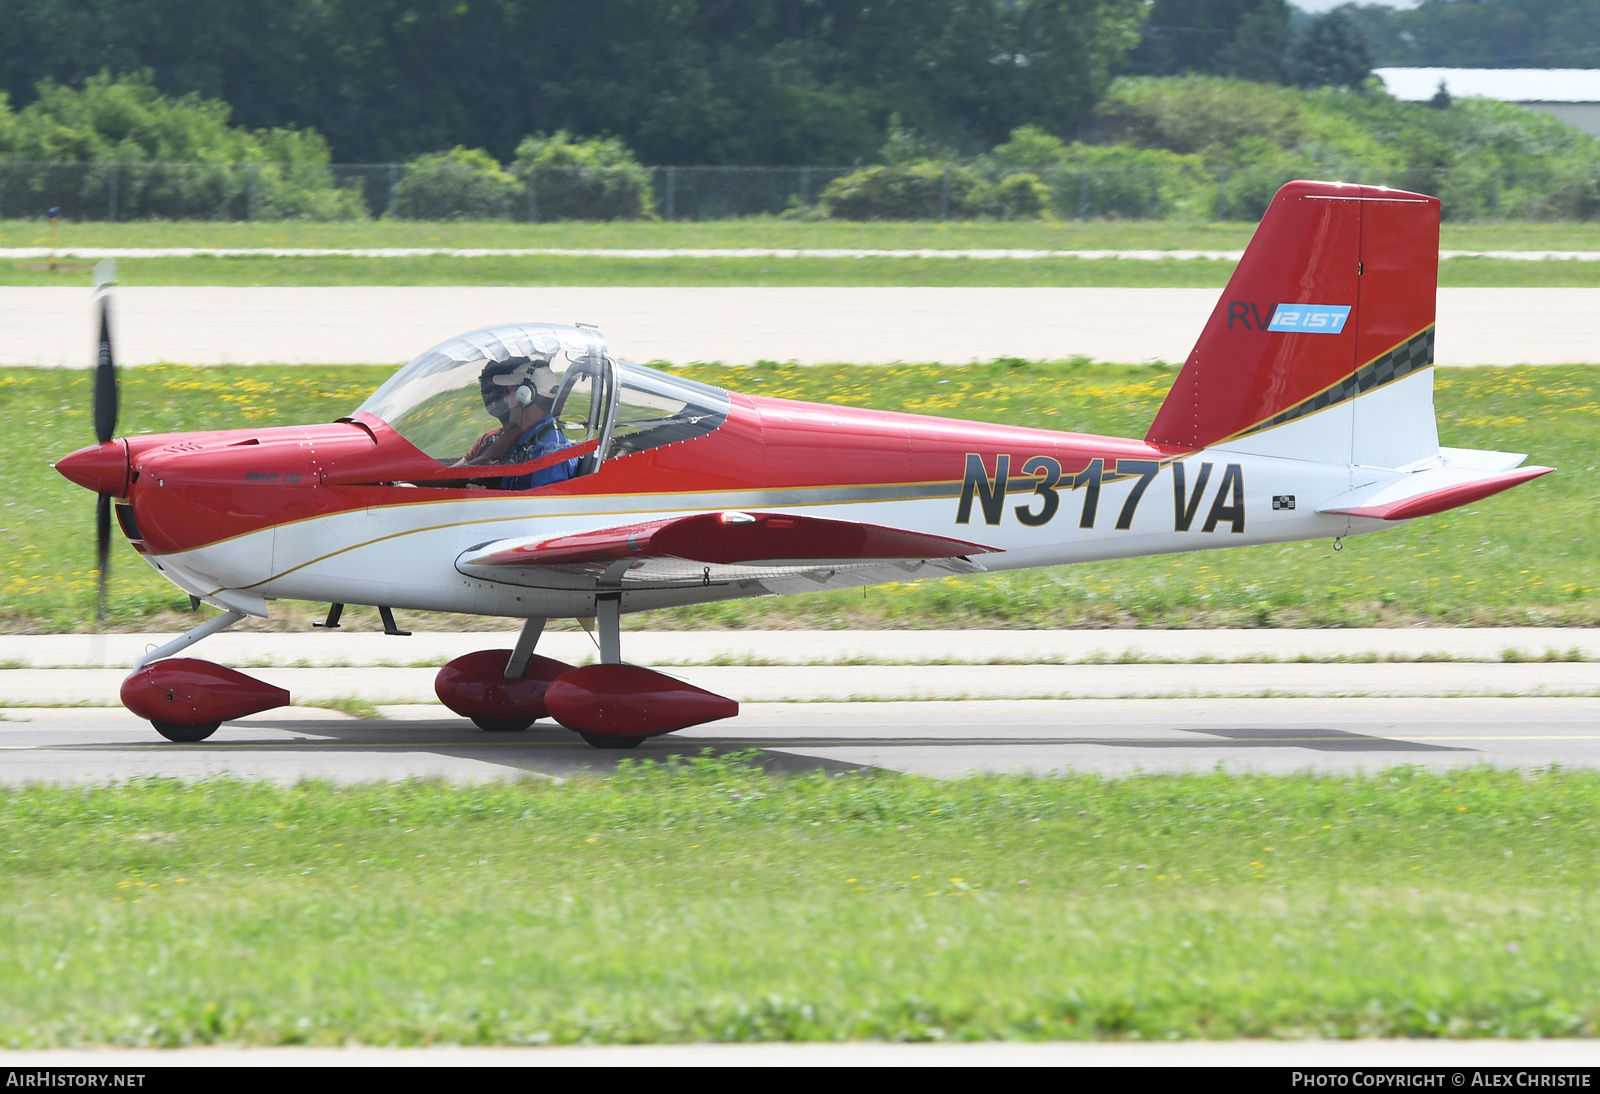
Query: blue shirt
(541,439)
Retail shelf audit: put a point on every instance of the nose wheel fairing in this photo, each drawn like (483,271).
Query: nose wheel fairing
(184,692)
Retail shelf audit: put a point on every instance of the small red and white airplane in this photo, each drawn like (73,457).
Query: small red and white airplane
(1304,412)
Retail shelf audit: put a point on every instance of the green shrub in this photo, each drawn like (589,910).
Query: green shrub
(918,191)
(461,184)
(1020,196)
(907,191)
(166,158)
(1516,163)
(594,179)
(1196,114)
(1110,180)
(1481,158)
(1261,168)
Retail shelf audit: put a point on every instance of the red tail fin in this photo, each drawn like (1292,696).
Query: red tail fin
(1334,296)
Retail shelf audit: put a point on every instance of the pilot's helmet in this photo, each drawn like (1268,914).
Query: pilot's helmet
(519,380)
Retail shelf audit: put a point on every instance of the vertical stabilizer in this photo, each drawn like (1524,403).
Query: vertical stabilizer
(1320,347)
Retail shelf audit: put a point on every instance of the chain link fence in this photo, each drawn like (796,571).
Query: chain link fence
(269,191)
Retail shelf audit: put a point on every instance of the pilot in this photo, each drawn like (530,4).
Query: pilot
(519,393)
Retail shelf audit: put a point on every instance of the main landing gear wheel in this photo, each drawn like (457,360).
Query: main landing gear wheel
(598,741)
(511,726)
(185,734)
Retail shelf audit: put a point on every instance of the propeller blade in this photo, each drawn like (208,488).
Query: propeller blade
(102,546)
(105,369)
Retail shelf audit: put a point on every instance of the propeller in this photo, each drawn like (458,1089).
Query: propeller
(105,421)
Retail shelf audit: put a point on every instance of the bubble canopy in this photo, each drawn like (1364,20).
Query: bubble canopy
(435,401)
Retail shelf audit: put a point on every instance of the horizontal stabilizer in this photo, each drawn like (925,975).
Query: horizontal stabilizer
(728,538)
(1422,493)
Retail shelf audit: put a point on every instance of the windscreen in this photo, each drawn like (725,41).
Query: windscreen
(437,401)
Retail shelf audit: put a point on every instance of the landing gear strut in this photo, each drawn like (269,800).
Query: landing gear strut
(516,666)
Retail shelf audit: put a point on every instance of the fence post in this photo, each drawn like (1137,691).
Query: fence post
(533,195)
(1083,194)
(1222,193)
(805,187)
(250,192)
(394,181)
(944,194)
(111,194)
(672,193)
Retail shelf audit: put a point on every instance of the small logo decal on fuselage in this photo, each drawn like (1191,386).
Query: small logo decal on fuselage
(1290,318)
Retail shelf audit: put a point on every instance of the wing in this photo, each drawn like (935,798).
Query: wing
(780,551)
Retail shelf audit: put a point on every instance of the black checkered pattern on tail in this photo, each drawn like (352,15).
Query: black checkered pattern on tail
(1409,356)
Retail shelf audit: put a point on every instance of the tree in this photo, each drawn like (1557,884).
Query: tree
(1247,39)
(678,81)
(1485,33)
(1332,52)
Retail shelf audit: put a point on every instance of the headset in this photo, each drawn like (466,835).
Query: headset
(532,378)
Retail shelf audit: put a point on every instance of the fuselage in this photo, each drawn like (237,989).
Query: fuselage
(327,513)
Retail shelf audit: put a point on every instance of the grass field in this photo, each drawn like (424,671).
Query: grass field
(707,901)
(757,232)
(569,270)
(1526,557)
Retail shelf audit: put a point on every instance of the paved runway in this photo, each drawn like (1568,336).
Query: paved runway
(944,739)
(1113,702)
(871,325)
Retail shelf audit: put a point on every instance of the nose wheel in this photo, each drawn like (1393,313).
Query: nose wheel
(185,734)
(514,725)
(598,741)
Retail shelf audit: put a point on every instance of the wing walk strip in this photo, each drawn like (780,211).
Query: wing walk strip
(1412,355)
